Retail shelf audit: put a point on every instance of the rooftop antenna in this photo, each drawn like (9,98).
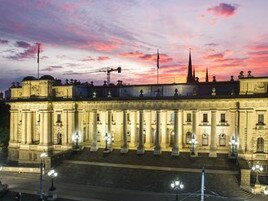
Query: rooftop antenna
(38,52)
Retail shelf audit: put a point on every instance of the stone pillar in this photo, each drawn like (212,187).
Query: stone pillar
(45,131)
(23,127)
(65,127)
(124,147)
(12,126)
(80,125)
(157,148)
(42,125)
(245,178)
(29,127)
(71,126)
(94,146)
(140,149)
(180,126)
(133,129)
(194,123)
(175,148)
(148,129)
(213,148)
(15,127)
(242,129)
(163,129)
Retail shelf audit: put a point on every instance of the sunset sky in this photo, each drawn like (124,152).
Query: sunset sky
(81,37)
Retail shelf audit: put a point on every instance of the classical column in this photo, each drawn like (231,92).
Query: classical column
(140,148)
(94,146)
(180,126)
(65,127)
(157,148)
(46,129)
(42,125)
(23,127)
(12,126)
(124,147)
(29,127)
(71,126)
(80,125)
(242,130)
(175,148)
(194,123)
(163,136)
(15,127)
(213,151)
(148,129)
(133,129)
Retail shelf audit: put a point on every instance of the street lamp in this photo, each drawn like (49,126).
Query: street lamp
(233,143)
(108,140)
(257,168)
(52,174)
(42,156)
(76,140)
(177,185)
(193,142)
(265,192)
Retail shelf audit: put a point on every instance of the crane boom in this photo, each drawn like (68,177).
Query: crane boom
(108,71)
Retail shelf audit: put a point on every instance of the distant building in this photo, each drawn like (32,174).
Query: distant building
(47,114)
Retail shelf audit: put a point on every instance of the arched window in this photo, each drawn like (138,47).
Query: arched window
(59,138)
(205,139)
(188,137)
(260,144)
(171,141)
(222,139)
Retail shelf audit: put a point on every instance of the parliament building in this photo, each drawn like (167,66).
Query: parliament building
(211,117)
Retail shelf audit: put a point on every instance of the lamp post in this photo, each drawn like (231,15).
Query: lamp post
(108,140)
(76,140)
(193,142)
(52,174)
(233,143)
(42,156)
(265,192)
(257,168)
(177,185)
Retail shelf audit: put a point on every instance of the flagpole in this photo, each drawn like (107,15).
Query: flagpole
(38,52)
(157,65)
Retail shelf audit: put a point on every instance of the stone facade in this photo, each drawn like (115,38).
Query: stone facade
(46,115)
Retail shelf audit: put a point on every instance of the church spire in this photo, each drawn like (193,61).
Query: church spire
(207,75)
(190,74)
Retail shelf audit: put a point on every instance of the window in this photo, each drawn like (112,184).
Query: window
(58,118)
(98,117)
(171,142)
(188,137)
(205,117)
(222,139)
(128,118)
(261,119)
(205,139)
(189,117)
(171,120)
(260,144)
(59,138)
(223,117)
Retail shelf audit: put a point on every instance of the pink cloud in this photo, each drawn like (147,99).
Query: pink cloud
(106,46)
(103,58)
(215,56)
(163,58)
(223,9)
(88,58)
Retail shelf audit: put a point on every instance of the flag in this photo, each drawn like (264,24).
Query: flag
(38,51)
(157,59)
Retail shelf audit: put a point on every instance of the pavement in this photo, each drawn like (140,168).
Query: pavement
(94,176)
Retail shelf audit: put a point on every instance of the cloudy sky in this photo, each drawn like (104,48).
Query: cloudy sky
(80,38)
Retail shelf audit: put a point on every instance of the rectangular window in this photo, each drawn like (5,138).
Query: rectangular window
(205,117)
(261,119)
(189,117)
(98,117)
(58,118)
(223,117)
(171,118)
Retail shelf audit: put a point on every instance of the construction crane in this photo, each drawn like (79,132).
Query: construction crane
(108,70)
